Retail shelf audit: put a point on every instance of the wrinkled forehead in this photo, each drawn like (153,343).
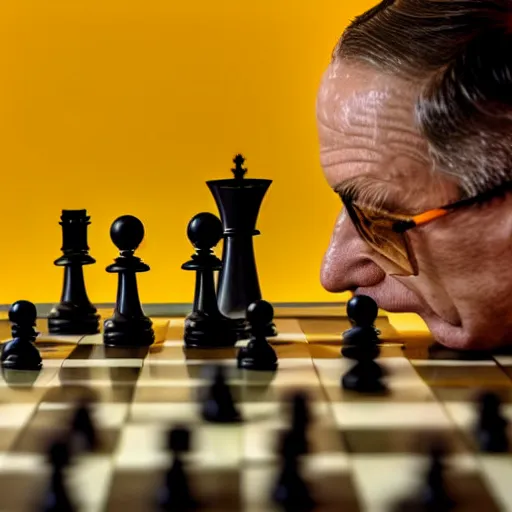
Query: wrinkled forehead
(350,95)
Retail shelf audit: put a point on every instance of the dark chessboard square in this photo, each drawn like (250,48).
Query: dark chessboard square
(285,349)
(8,437)
(471,492)
(117,374)
(391,441)
(470,394)
(165,394)
(474,376)
(104,352)
(22,491)
(35,440)
(69,394)
(216,489)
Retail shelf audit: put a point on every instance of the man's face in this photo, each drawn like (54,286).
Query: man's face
(463,290)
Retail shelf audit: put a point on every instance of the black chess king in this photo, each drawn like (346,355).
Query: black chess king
(239,200)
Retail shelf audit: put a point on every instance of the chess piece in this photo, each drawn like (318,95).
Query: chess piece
(435,497)
(301,417)
(74,314)
(258,354)
(361,343)
(175,494)
(492,427)
(206,327)
(239,201)
(219,406)
(291,491)
(20,353)
(128,326)
(83,428)
(57,498)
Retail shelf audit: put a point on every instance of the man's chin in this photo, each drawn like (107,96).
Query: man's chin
(459,338)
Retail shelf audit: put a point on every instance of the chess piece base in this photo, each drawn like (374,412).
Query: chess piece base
(68,319)
(18,355)
(203,331)
(132,332)
(364,377)
(254,358)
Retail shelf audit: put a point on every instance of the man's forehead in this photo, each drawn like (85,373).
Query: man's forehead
(347,91)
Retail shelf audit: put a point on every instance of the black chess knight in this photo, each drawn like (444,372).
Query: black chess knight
(239,201)
(206,327)
(128,326)
(74,314)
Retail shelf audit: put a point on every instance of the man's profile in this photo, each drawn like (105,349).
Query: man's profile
(415,129)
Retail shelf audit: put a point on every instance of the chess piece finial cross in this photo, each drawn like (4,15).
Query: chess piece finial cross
(239,171)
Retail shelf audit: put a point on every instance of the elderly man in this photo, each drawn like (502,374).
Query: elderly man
(415,127)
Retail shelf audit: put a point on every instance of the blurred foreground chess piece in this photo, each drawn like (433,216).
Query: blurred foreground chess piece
(175,494)
(206,327)
(74,314)
(128,326)
(491,429)
(258,354)
(57,498)
(239,201)
(218,406)
(20,353)
(361,343)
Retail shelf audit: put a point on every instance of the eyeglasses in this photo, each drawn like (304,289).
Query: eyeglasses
(386,233)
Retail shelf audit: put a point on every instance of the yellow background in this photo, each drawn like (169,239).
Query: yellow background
(129,107)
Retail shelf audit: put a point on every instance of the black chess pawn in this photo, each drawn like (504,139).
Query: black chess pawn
(258,354)
(491,429)
(74,314)
(175,495)
(57,498)
(218,405)
(361,344)
(128,326)
(206,327)
(291,491)
(20,353)
(435,496)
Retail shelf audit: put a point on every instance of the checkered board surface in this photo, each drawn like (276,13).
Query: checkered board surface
(367,452)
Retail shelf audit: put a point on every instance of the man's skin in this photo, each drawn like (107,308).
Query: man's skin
(463,292)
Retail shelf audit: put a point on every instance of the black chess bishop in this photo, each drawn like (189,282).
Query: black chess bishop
(239,200)
(74,314)
(21,353)
(258,354)
(206,326)
(361,344)
(129,326)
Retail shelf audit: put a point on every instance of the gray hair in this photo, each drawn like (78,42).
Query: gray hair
(459,55)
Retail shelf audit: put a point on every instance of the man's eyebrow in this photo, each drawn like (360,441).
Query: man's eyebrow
(371,192)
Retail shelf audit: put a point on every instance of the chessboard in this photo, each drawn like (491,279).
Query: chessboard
(366,452)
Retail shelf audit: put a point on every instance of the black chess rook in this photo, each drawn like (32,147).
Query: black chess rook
(239,200)
(20,353)
(129,326)
(205,326)
(74,314)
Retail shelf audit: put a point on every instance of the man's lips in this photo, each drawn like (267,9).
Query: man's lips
(403,301)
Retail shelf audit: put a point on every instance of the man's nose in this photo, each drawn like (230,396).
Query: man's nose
(347,264)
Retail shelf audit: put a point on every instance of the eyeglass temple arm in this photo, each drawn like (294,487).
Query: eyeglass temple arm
(401,226)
